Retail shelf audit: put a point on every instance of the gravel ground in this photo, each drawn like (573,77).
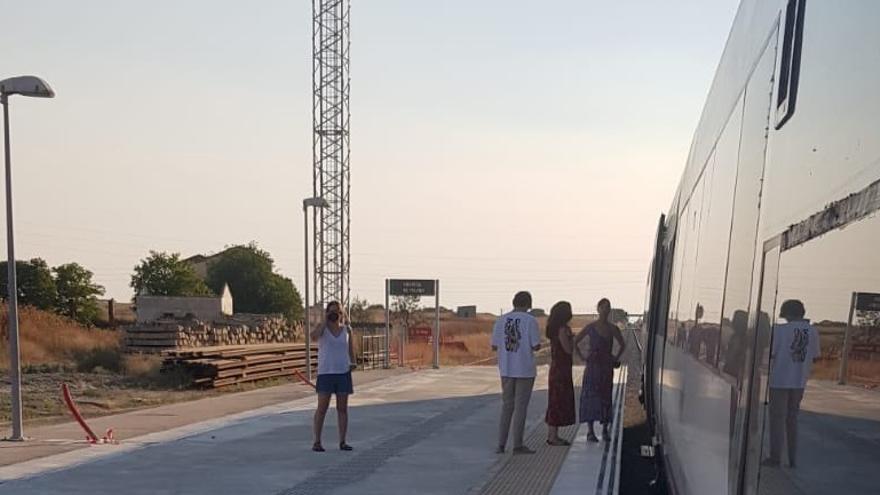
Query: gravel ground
(97,394)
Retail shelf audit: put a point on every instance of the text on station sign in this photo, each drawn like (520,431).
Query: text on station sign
(411,287)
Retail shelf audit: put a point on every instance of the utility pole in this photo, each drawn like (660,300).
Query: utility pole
(330,148)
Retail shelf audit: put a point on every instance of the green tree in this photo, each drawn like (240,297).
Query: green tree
(77,293)
(255,286)
(358,312)
(405,309)
(163,274)
(36,287)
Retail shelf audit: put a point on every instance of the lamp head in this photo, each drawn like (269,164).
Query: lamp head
(315,203)
(26,86)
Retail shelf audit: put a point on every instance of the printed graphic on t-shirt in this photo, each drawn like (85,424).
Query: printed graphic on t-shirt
(512,335)
(799,343)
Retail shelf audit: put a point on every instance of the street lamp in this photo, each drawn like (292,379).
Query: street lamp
(314,202)
(35,88)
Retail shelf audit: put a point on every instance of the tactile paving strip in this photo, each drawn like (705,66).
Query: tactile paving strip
(535,473)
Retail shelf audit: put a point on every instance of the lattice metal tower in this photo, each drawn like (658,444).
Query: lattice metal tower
(330,116)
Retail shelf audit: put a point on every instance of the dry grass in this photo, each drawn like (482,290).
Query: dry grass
(47,339)
(464,340)
(463,350)
(861,372)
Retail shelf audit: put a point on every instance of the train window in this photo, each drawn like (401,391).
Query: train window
(790,61)
(828,424)
(675,279)
(720,178)
(688,313)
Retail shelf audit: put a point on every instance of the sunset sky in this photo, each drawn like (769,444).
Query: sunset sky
(497,145)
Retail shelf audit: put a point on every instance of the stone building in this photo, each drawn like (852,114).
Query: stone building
(205,308)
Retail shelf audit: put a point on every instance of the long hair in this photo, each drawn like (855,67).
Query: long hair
(560,315)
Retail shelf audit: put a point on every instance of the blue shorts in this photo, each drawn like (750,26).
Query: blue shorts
(339,384)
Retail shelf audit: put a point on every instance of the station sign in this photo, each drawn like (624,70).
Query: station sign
(866,301)
(397,287)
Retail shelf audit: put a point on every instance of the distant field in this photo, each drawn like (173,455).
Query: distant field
(467,341)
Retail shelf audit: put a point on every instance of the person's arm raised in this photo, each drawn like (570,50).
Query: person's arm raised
(317,331)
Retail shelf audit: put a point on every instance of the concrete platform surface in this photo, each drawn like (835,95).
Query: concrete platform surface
(427,432)
(58,438)
(838,441)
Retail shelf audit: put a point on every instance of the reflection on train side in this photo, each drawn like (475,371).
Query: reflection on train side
(833,441)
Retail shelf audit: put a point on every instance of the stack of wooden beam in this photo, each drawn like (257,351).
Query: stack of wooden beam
(238,330)
(219,366)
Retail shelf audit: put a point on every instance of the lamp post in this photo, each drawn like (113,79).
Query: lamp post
(36,88)
(314,202)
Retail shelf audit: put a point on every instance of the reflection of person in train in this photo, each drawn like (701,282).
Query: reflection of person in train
(736,347)
(711,338)
(681,336)
(695,335)
(793,348)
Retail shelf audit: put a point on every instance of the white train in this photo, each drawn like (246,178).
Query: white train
(778,201)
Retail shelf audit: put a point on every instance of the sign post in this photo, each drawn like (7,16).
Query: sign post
(861,301)
(387,327)
(412,287)
(436,324)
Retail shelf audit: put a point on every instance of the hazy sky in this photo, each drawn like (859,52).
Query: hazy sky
(496,144)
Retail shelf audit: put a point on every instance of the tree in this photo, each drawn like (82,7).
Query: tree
(36,287)
(358,310)
(163,274)
(255,286)
(77,294)
(405,308)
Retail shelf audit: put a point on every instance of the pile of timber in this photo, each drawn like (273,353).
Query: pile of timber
(220,366)
(237,330)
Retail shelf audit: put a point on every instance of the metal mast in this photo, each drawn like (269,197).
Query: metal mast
(330,147)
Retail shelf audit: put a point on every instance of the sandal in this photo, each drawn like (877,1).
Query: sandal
(317,447)
(591,437)
(345,446)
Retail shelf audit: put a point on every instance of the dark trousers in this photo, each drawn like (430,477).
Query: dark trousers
(785,403)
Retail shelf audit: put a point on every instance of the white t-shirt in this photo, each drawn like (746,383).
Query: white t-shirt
(795,345)
(333,358)
(515,335)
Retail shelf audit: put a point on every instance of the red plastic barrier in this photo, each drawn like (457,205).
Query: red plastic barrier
(90,435)
(303,378)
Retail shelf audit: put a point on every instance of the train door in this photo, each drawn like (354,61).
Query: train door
(745,270)
(758,397)
(654,322)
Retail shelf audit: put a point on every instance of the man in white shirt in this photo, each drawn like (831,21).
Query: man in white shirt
(793,348)
(516,338)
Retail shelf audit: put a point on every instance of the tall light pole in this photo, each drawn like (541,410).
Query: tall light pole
(314,203)
(37,88)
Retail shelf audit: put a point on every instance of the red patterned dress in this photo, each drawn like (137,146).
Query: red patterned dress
(560,401)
